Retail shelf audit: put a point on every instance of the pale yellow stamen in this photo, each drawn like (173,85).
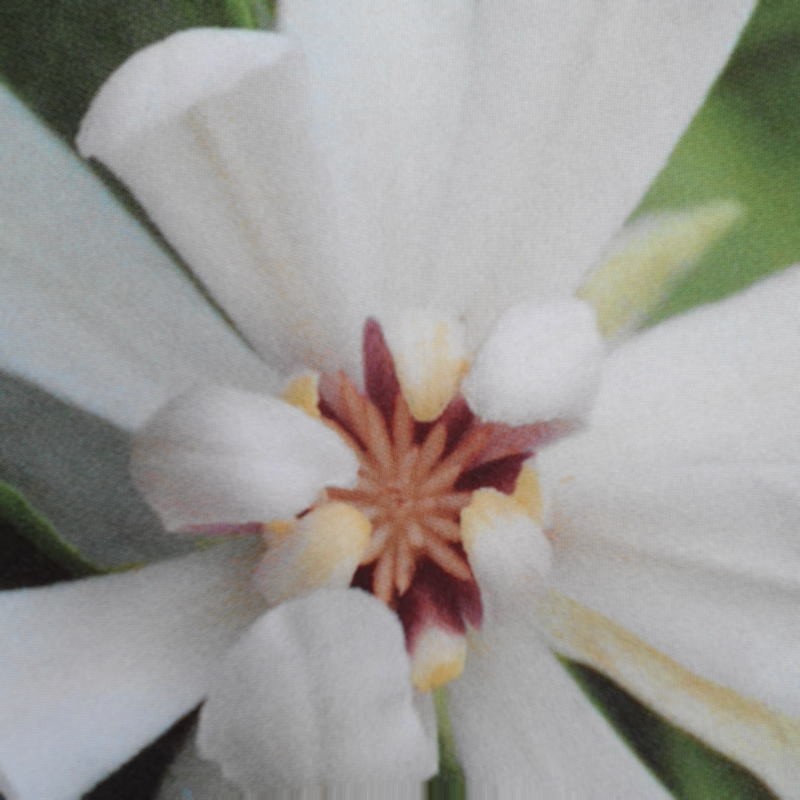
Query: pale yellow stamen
(482,513)
(430,357)
(438,658)
(652,254)
(323,548)
(741,728)
(528,493)
(302,392)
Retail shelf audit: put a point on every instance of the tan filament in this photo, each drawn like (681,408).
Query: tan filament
(407,490)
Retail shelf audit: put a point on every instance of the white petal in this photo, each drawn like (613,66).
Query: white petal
(92,308)
(224,114)
(676,513)
(702,562)
(73,468)
(317,692)
(716,384)
(387,82)
(540,362)
(216,455)
(508,552)
(521,723)
(573,109)
(94,670)
(523,727)
(746,731)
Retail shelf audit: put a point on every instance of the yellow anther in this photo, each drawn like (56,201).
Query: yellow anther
(430,357)
(486,507)
(337,533)
(528,493)
(278,529)
(438,658)
(322,549)
(302,392)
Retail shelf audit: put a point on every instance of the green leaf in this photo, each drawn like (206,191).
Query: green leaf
(743,146)
(55,54)
(690,769)
(31,551)
(141,777)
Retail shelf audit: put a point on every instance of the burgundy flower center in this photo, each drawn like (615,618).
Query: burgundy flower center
(414,480)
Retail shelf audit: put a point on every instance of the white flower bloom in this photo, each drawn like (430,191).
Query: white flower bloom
(439,180)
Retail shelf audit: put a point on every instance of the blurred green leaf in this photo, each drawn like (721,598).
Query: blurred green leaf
(55,54)
(141,777)
(743,145)
(31,551)
(690,769)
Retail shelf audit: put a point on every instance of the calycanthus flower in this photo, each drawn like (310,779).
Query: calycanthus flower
(456,474)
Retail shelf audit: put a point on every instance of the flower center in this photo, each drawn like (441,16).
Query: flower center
(407,489)
(414,480)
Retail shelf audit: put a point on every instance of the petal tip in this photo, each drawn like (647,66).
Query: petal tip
(169,77)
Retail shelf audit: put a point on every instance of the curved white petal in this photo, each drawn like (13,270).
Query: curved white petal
(317,692)
(386,82)
(683,492)
(716,384)
(702,562)
(210,129)
(508,552)
(540,362)
(521,724)
(766,742)
(73,468)
(676,512)
(216,455)
(92,308)
(573,108)
(94,670)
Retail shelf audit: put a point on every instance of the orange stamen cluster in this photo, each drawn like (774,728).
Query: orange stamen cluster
(406,489)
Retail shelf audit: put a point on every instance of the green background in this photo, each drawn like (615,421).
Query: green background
(744,144)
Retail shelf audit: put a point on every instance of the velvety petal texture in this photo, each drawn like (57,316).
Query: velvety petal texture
(521,724)
(448,156)
(683,494)
(541,362)
(318,692)
(765,741)
(216,455)
(572,109)
(92,308)
(96,669)
(386,85)
(225,113)
(711,555)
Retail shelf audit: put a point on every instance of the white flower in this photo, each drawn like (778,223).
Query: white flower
(451,172)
